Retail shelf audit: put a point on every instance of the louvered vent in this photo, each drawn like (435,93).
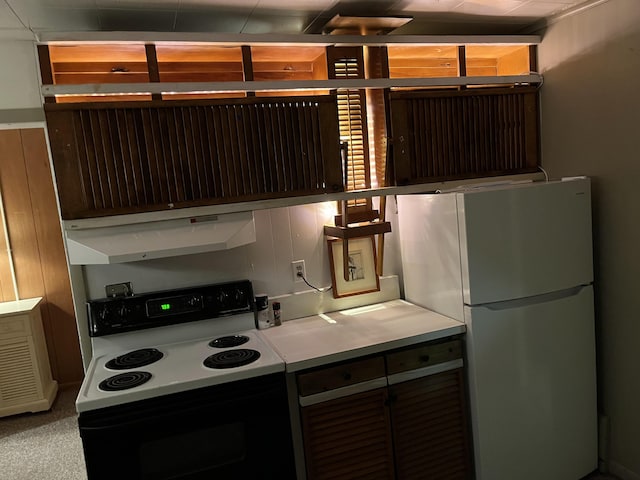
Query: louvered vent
(348,438)
(18,383)
(440,136)
(429,428)
(138,157)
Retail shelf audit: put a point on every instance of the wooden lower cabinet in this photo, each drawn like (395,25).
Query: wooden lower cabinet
(430,428)
(415,427)
(349,437)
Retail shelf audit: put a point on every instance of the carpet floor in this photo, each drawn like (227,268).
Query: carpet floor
(43,446)
(47,446)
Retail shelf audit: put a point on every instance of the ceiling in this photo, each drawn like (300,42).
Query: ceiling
(430,17)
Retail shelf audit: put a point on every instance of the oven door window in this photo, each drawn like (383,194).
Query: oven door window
(193,453)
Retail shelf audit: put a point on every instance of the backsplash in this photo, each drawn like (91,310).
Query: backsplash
(283,235)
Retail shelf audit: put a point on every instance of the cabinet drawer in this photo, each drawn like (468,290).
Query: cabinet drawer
(340,376)
(423,356)
(14,326)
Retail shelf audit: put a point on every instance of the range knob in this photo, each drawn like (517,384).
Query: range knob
(123,312)
(194,301)
(241,298)
(104,313)
(223,297)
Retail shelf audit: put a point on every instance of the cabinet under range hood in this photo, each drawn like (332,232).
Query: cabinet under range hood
(131,238)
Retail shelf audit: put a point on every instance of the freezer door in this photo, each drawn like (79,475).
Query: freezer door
(532,385)
(525,240)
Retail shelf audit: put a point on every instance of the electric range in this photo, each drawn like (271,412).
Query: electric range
(160,343)
(182,386)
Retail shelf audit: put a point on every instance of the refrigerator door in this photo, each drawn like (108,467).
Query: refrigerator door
(524,240)
(532,386)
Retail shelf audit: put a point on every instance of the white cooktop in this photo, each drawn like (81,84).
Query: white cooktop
(336,336)
(180,369)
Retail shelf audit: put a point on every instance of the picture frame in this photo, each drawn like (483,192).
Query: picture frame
(364,279)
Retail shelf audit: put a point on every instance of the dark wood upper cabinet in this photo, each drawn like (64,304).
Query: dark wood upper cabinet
(451,135)
(118,158)
(173,148)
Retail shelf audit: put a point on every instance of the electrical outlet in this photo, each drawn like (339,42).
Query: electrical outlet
(297,268)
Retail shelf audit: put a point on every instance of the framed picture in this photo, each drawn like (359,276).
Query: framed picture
(363,277)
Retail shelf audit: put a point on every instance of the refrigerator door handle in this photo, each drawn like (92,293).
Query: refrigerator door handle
(520,302)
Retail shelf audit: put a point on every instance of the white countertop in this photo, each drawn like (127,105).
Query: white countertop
(336,336)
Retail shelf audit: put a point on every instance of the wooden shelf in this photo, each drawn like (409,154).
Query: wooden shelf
(363,230)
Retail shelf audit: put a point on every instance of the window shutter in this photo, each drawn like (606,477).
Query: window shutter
(348,63)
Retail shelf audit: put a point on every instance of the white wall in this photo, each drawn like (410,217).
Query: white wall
(19,85)
(591,125)
(283,235)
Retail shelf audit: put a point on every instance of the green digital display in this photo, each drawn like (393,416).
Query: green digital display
(165,306)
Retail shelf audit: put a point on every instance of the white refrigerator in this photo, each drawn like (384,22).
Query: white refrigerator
(515,264)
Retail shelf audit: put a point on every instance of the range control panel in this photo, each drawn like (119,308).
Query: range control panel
(123,314)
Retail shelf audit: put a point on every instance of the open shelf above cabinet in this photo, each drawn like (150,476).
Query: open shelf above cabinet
(136,67)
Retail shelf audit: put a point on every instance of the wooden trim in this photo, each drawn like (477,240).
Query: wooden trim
(533,58)
(247,63)
(152,63)
(373,228)
(153,68)
(46,72)
(356,217)
(44,58)
(247,67)
(462,61)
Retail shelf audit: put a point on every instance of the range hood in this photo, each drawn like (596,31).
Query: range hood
(91,242)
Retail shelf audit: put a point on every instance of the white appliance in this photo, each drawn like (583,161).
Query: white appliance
(150,235)
(514,262)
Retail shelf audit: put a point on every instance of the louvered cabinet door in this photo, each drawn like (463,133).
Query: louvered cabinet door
(429,428)
(349,438)
(132,157)
(452,135)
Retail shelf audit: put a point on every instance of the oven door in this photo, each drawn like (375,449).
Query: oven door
(235,430)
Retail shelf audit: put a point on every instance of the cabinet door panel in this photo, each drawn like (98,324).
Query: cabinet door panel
(133,157)
(430,428)
(349,438)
